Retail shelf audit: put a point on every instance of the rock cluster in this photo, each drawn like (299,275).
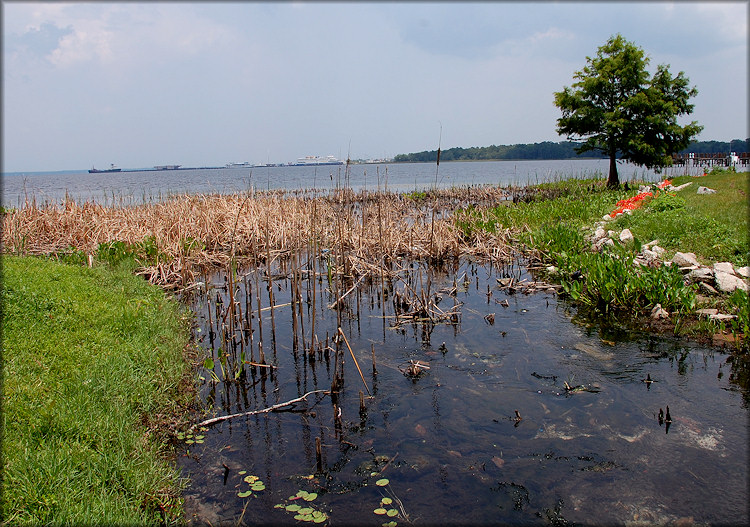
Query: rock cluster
(720,278)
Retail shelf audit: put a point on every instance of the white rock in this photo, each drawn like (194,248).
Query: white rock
(626,236)
(728,282)
(658,312)
(724,267)
(743,271)
(607,217)
(721,316)
(602,242)
(658,250)
(701,274)
(650,255)
(551,269)
(611,233)
(680,187)
(684,259)
(600,233)
(706,312)
(706,190)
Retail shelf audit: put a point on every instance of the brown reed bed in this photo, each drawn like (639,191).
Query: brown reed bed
(192,233)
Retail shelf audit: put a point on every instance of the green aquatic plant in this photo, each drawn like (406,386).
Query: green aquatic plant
(306,513)
(256,485)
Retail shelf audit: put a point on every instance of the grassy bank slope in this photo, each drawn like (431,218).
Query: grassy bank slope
(92,359)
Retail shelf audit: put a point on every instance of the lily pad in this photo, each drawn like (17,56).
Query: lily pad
(382,482)
(319,519)
(189,441)
(386,501)
(242,472)
(245,494)
(390,524)
(293,507)
(251,479)
(258,486)
(392,512)
(310,496)
(380,510)
(306,510)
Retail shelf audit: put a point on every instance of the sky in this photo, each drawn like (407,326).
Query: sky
(205,84)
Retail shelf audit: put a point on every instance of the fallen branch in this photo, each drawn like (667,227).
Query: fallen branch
(214,420)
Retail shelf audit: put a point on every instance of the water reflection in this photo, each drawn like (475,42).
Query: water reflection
(449,440)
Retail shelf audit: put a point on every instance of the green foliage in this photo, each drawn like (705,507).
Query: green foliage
(416,195)
(73,256)
(114,252)
(617,108)
(78,388)
(610,282)
(667,202)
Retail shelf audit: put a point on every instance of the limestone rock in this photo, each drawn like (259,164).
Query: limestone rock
(600,233)
(680,187)
(721,316)
(701,274)
(626,236)
(659,313)
(658,250)
(685,259)
(724,267)
(744,272)
(728,282)
(706,312)
(706,190)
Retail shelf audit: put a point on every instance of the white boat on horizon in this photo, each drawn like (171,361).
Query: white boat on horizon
(316,160)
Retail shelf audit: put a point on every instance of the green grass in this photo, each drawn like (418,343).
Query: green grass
(575,202)
(713,226)
(92,359)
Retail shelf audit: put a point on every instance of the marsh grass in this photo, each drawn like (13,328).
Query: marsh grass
(176,238)
(92,361)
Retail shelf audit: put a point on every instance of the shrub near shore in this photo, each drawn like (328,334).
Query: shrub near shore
(93,360)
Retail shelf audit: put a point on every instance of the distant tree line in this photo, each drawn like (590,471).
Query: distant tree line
(549,150)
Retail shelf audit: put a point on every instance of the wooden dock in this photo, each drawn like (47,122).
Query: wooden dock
(714,159)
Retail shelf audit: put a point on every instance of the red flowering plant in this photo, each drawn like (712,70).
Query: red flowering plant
(637,200)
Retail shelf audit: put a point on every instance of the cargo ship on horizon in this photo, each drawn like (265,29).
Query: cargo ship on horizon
(112,168)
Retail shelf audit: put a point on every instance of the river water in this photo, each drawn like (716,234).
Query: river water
(134,187)
(447,447)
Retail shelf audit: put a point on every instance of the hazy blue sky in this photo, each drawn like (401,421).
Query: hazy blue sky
(142,84)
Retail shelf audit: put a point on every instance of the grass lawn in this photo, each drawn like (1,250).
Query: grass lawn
(713,226)
(92,359)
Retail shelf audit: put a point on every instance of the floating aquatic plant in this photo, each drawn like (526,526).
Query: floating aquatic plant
(307,513)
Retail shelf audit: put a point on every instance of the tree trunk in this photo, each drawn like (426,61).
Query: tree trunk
(613,181)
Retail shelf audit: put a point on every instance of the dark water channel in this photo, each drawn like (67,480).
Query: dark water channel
(448,441)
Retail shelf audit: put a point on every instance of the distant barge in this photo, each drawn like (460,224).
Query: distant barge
(112,168)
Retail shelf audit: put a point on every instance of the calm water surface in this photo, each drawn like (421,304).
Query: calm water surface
(148,186)
(448,442)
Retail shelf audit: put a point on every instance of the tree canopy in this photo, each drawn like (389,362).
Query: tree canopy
(615,106)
